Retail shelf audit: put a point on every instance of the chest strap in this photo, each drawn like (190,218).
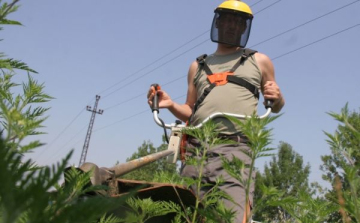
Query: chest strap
(217,79)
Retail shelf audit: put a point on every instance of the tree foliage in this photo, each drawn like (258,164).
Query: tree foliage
(29,195)
(346,149)
(27,192)
(287,173)
(341,167)
(151,172)
(342,202)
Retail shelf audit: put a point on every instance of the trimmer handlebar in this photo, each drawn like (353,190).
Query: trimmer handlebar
(155,110)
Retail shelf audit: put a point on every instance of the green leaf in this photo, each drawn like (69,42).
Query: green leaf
(9,22)
(15,64)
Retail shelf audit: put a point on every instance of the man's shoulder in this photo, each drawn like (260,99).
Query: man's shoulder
(262,59)
(261,56)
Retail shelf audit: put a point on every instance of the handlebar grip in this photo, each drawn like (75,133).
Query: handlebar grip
(155,100)
(269,103)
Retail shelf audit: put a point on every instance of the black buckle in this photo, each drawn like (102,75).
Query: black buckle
(256,92)
(201,59)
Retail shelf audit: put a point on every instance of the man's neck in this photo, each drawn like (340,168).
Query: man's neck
(224,49)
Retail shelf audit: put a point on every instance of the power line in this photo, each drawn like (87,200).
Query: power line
(268,6)
(63,146)
(72,138)
(256,3)
(127,84)
(266,40)
(305,23)
(62,132)
(141,94)
(274,58)
(134,115)
(161,65)
(254,45)
(160,58)
(58,136)
(317,41)
(261,42)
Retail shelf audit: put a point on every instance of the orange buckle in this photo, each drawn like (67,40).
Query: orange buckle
(183,144)
(219,78)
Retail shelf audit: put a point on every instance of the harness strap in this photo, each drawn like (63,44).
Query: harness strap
(233,79)
(245,84)
(203,96)
(246,53)
(203,64)
(230,78)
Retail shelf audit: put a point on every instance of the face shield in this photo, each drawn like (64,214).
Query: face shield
(231,27)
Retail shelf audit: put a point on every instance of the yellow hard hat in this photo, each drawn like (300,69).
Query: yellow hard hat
(235,5)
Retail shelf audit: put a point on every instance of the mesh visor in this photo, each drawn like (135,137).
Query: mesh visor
(232,28)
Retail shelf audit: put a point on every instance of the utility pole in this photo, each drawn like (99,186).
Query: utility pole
(87,139)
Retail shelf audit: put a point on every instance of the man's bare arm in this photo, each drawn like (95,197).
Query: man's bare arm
(180,111)
(269,87)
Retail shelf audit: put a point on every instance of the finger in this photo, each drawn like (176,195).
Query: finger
(269,83)
(274,89)
(151,91)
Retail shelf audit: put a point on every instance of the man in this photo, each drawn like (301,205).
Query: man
(244,72)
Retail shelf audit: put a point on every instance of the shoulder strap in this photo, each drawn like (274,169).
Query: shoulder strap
(200,59)
(203,64)
(246,53)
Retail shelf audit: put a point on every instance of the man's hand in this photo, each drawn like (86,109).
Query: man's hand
(272,92)
(164,99)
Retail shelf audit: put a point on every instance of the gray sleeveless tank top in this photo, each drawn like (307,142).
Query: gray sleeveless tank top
(229,98)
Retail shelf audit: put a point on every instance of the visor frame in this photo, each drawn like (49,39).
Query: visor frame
(214,33)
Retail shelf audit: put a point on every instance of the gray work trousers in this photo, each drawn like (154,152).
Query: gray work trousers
(213,169)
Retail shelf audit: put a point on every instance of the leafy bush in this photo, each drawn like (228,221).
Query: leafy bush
(27,192)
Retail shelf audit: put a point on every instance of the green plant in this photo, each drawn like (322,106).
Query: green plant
(29,193)
(342,203)
(345,147)
(259,140)
(141,210)
(18,116)
(167,177)
(209,205)
(5,10)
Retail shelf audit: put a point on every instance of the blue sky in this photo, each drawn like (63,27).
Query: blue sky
(118,48)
